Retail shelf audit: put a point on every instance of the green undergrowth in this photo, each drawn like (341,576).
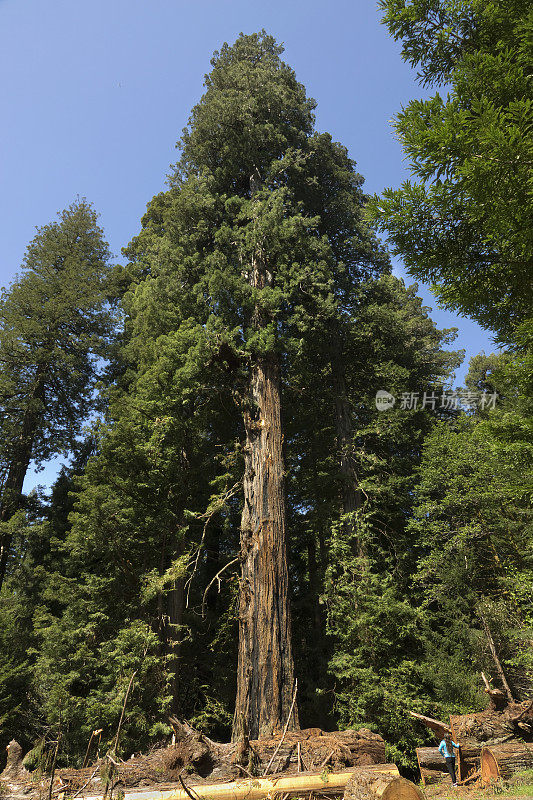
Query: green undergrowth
(522,784)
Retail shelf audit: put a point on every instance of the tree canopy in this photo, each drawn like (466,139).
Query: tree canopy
(465,224)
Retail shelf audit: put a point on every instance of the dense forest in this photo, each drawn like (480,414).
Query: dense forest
(274,497)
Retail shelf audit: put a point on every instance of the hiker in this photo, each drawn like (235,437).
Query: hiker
(445,747)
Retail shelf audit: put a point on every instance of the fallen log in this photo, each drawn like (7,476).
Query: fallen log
(502,761)
(432,766)
(480,727)
(203,760)
(436,725)
(369,785)
(327,783)
(430,758)
(492,723)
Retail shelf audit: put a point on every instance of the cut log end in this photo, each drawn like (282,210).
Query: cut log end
(489,767)
(366,785)
(502,761)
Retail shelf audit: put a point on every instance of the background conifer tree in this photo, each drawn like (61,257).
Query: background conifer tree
(54,324)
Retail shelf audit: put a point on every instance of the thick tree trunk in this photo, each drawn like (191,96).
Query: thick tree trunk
(265,670)
(432,766)
(12,491)
(265,673)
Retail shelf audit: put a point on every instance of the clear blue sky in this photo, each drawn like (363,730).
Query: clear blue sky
(94,96)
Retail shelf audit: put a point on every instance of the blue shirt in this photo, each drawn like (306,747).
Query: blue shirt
(443,750)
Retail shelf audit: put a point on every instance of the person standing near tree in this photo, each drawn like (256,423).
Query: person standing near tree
(446,750)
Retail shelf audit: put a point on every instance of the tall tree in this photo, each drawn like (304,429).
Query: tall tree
(248,128)
(240,415)
(54,325)
(259,273)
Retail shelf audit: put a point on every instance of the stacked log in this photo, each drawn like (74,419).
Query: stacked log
(375,782)
(503,760)
(493,727)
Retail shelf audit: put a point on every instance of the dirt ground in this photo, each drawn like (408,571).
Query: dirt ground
(444,791)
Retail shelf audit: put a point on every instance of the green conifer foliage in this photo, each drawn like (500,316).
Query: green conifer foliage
(465,225)
(239,268)
(55,323)
(473,521)
(361,581)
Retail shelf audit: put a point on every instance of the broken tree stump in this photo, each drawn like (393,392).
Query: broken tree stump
(14,769)
(497,697)
(369,785)
(503,760)
(14,773)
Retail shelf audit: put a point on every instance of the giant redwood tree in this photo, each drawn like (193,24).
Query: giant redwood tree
(241,241)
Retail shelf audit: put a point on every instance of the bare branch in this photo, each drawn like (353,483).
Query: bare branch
(216,578)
